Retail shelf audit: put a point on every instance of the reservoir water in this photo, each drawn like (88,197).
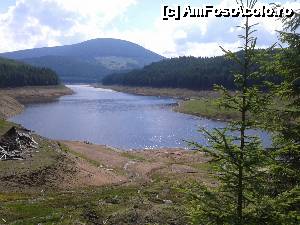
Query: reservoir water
(115,119)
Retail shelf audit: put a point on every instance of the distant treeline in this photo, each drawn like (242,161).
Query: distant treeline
(182,72)
(16,74)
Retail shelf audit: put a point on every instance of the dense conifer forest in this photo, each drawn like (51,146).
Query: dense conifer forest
(183,72)
(16,74)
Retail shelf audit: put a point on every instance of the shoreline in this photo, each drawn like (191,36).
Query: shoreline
(96,165)
(13,100)
(197,103)
(177,93)
(60,174)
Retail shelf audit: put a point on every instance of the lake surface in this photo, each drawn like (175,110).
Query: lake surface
(115,119)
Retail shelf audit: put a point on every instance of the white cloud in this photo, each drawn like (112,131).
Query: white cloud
(94,16)
(204,36)
(210,49)
(201,37)
(37,23)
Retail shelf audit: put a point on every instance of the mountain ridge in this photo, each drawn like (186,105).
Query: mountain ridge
(98,57)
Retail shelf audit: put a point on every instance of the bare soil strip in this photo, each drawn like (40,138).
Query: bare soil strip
(179,93)
(100,165)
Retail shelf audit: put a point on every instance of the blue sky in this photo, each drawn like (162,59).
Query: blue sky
(38,23)
(5,4)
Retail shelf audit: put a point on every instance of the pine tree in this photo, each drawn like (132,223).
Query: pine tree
(281,204)
(287,126)
(239,159)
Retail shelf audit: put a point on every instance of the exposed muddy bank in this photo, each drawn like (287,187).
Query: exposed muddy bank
(9,106)
(178,93)
(12,100)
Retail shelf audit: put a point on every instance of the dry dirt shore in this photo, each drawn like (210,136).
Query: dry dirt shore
(179,93)
(12,100)
(70,165)
(73,164)
(99,165)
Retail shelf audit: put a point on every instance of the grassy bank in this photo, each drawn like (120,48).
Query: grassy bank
(106,205)
(158,202)
(5,126)
(206,107)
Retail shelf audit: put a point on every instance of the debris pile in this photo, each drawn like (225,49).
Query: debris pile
(16,143)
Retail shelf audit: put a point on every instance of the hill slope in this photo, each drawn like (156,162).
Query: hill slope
(17,74)
(90,60)
(182,72)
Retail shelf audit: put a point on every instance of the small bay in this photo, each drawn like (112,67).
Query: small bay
(116,119)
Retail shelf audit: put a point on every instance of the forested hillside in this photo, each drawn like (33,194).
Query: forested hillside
(70,69)
(182,72)
(16,74)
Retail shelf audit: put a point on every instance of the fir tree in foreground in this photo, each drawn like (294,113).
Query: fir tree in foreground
(238,158)
(281,205)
